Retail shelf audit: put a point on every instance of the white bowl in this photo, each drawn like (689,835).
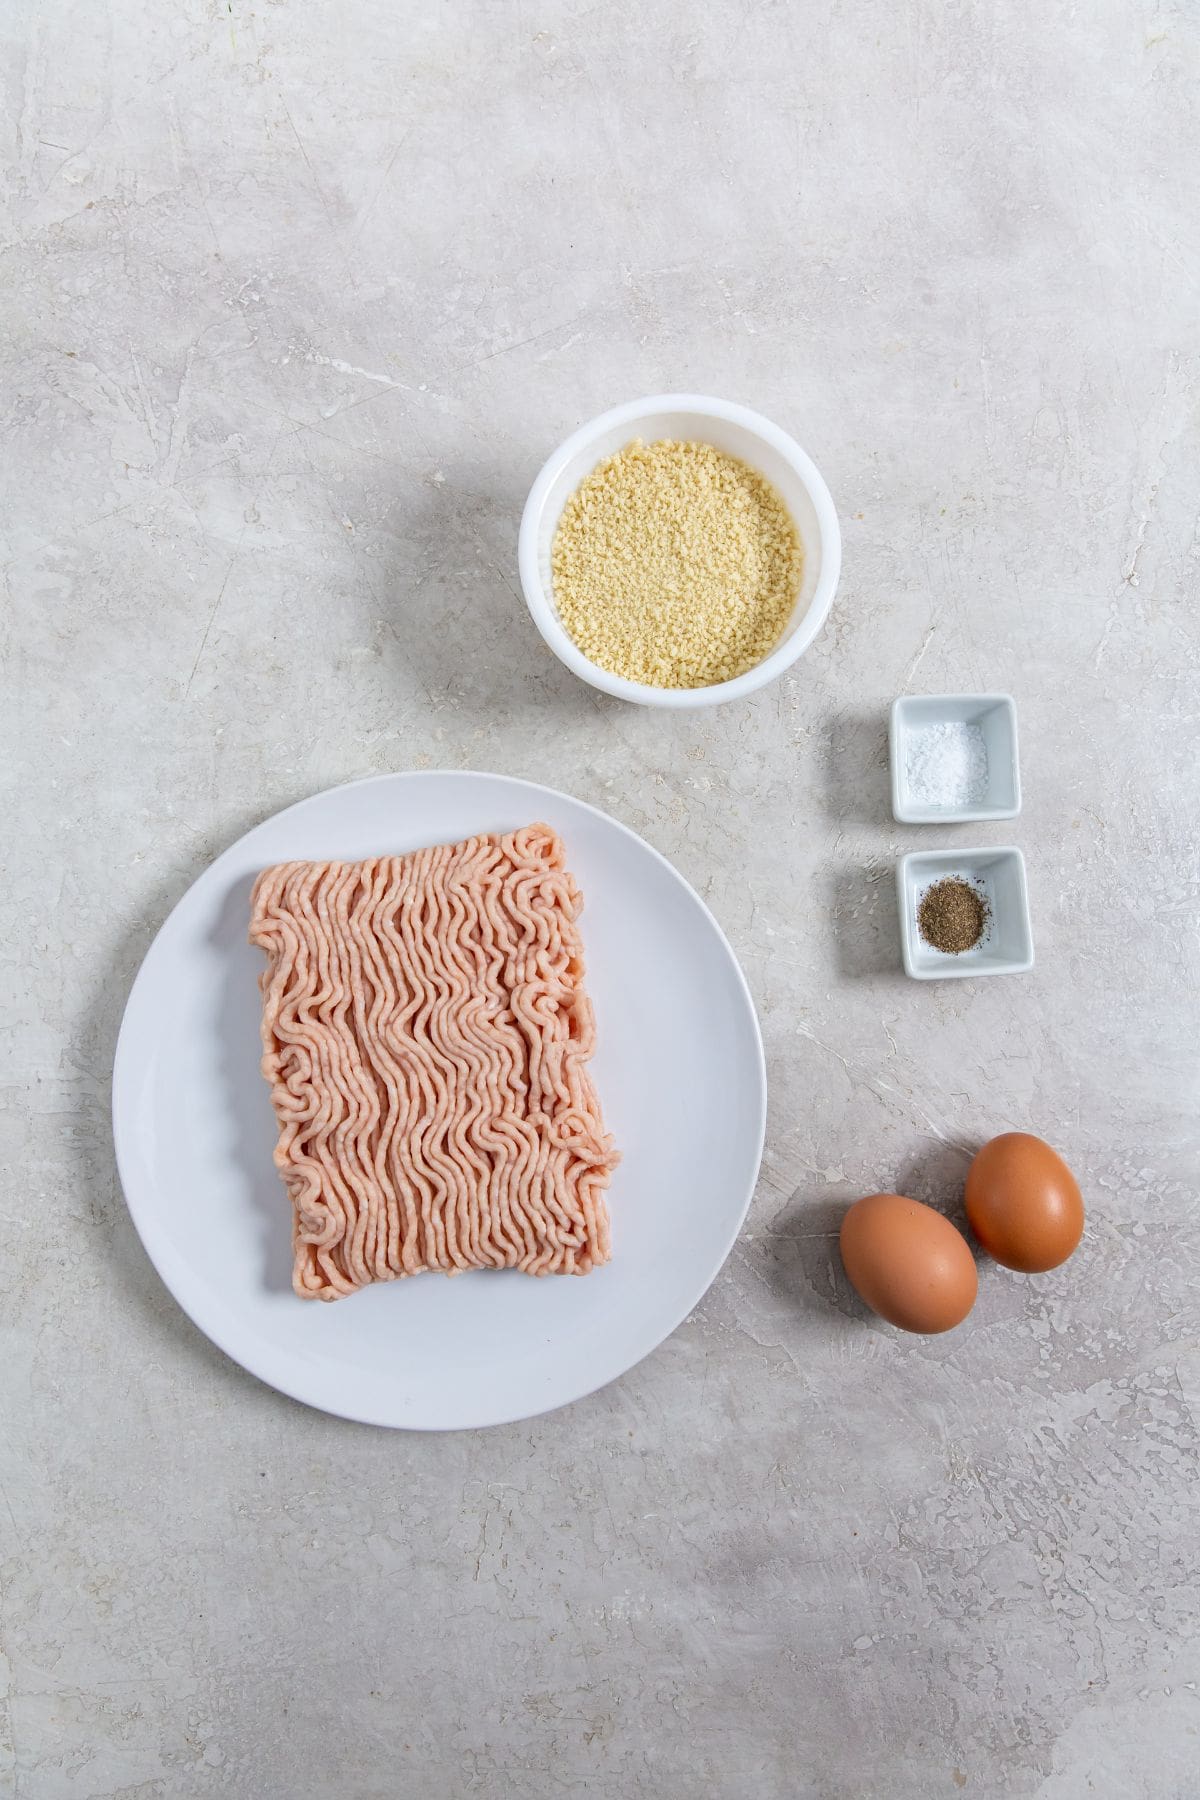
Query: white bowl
(738,432)
(1006,947)
(996,716)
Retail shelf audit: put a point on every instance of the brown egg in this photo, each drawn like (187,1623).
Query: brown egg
(1024,1203)
(908,1263)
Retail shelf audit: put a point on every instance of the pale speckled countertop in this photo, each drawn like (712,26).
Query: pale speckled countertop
(295,300)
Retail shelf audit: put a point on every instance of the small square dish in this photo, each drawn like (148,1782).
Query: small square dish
(954,758)
(997,876)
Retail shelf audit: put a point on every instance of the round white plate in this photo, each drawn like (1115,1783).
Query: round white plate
(678,1068)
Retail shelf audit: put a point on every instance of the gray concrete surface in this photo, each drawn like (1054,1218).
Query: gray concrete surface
(295,301)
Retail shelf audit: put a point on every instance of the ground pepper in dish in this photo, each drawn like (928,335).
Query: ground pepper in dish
(952,915)
(675,565)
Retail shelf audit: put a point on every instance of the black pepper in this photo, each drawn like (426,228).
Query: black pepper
(953,915)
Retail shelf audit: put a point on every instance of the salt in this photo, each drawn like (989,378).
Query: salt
(947,765)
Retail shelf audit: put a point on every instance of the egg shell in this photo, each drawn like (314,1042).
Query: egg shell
(1024,1204)
(908,1263)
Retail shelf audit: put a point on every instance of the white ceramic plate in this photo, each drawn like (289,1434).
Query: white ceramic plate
(679,1069)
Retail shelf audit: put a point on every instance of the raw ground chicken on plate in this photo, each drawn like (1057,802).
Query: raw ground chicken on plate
(426,1037)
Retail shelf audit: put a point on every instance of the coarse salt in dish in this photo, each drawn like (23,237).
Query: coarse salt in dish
(954,758)
(947,765)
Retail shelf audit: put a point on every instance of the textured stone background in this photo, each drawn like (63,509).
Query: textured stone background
(296,299)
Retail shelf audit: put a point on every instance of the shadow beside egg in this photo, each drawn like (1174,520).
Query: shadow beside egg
(801,1261)
(800,1255)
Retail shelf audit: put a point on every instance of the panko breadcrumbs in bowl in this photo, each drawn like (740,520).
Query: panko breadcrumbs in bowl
(675,565)
(679,551)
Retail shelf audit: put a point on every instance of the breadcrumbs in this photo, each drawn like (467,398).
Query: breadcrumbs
(675,565)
